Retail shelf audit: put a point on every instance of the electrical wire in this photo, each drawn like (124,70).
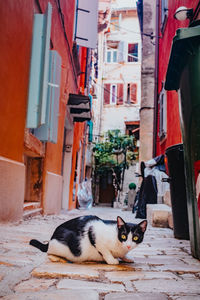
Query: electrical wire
(140,33)
(110,93)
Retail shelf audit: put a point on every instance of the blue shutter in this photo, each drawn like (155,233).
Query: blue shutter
(48,131)
(37,94)
(56,70)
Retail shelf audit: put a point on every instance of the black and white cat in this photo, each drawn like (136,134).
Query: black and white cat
(90,238)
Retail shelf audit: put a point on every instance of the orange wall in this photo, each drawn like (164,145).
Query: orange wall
(15,40)
(54,152)
(78,130)
(17,19)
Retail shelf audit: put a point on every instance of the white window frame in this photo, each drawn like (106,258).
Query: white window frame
(112,51)
(111,93)
(163,114)
(132,55)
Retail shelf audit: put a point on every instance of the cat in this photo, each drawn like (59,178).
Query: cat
(90,238)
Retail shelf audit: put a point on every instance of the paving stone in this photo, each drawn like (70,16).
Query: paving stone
(191,297)
(14,260)
(178,267)
(100,286)
(34,284)
(128,285)
(4,263)
(135,296)
(168,286)
(157,260)
(162,264)
(121,276)
(57,295)
(56,270)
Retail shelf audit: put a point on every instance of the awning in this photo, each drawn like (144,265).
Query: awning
(80,107)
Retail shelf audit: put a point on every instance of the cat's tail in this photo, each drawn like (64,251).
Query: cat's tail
(39,245)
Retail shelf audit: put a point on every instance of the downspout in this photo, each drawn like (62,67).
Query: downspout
(156,79)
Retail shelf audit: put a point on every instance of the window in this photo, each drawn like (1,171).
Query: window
(113,93)
(131,93)
(164,13)
(163,114)
(111,56)
(132,53)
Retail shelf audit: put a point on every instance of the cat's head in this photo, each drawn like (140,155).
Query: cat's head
(130,235)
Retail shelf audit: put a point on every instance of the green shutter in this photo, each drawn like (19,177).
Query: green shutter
(37,94)
(48,131)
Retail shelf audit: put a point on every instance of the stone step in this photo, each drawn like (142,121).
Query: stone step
(32,213)
(159,215)
(31,205)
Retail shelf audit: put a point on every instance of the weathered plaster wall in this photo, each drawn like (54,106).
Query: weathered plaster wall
(115,116)
(147,82)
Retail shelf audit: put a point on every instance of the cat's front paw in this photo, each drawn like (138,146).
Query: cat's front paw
(112,261)
(127,259)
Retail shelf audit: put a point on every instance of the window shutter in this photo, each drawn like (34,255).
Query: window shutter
(106,93)
(120,93)
(121,52)
(37,94)
(56,70)
(48,131)
(133,93)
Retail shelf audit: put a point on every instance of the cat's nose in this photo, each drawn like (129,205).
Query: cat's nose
(129,247)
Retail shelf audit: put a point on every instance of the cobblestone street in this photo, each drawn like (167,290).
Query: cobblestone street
(163,267)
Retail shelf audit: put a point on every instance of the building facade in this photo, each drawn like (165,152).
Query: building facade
(45,107)
(119,60)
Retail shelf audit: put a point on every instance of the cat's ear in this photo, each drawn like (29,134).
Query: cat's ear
(143,225)
(120,222)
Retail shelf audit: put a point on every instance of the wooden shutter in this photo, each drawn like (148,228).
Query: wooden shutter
(48,131)
(120,93)
(37,94)
(107,93)
(133,93)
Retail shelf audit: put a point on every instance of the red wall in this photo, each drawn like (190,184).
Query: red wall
(165,42)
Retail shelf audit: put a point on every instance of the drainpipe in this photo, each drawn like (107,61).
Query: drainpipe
(156,78)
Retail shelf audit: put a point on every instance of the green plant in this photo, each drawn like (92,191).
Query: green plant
(111,154)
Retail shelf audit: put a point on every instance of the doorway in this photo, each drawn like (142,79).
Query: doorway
(34,184)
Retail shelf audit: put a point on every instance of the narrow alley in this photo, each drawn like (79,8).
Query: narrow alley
(163,267)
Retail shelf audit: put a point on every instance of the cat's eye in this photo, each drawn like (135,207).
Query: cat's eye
(135,238)
(123,236)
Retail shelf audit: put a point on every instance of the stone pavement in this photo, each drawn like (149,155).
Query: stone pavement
(163,268)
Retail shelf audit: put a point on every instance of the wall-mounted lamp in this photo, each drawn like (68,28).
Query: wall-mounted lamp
(182,13)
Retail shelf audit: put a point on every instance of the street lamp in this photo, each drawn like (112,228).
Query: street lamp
(182,13)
